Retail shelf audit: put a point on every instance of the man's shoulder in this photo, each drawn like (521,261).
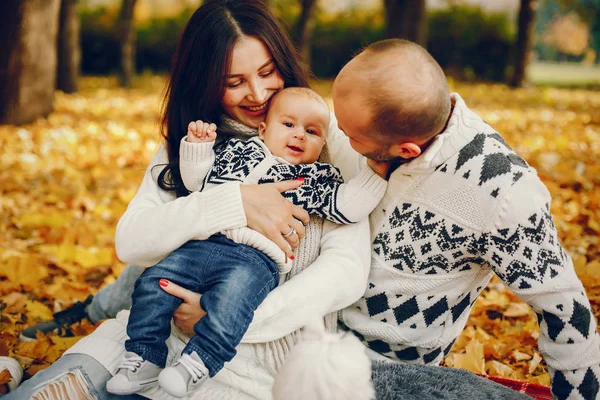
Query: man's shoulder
(488,163)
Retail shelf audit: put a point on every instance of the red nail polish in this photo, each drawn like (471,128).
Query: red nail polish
(292,257)
(300,179)
(163,283)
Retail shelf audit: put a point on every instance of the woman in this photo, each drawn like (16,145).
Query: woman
(232,57)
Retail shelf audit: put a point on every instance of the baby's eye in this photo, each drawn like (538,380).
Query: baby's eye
(312,132)
(288,124)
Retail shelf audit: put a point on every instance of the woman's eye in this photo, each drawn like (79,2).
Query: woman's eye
(234,84)
(288,124)
(267,73)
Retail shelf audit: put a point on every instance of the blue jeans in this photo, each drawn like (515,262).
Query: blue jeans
(114,297)
(233,279)
(52,382)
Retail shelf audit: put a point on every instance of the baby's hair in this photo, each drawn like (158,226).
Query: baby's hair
(300,90)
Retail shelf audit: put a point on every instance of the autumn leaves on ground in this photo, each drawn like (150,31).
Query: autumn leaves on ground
(65,181)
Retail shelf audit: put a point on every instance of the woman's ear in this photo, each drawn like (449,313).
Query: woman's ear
(406,150)
(262,127)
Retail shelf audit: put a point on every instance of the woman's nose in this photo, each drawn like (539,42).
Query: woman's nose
(258,92)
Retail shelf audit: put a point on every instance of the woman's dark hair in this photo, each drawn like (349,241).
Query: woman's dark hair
(201,62)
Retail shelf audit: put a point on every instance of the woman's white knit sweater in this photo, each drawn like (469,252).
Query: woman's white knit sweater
(334,261)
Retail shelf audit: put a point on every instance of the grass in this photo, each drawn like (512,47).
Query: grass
(564,74)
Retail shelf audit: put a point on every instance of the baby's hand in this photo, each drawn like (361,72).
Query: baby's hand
(201,132)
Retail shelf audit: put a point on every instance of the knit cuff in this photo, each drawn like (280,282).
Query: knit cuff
(194,152)
(373,183)
(226,207)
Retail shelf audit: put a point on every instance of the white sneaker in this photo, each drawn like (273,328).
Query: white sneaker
(134,374)
(187,375)
(15,370)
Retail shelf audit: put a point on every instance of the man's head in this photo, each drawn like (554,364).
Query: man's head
(296,125)
(391,100)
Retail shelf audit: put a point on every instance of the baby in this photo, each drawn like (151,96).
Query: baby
(236,270)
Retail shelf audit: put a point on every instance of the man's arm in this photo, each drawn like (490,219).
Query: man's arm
(522,247)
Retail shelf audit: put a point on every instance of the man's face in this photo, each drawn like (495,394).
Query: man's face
(354,119)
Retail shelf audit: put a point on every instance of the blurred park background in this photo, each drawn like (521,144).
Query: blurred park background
(80,91)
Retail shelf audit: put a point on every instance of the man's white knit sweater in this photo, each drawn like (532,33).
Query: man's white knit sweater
(466,208)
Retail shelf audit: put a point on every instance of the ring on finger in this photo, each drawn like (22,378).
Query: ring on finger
(290,233)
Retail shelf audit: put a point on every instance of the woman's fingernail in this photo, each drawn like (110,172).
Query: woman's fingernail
(163,282)
(292,257)
(300,179)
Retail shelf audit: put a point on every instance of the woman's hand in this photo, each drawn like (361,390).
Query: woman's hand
(190,312)
(269,213)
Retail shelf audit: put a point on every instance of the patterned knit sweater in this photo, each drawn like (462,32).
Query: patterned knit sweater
(466,208)
(323,192)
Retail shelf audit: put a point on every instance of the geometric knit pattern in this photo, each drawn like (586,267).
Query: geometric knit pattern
(422,242)
(583,383)
(318,192)
(442,229)
(235,159)
(485,159)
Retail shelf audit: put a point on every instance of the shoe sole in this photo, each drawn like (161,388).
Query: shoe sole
(14,369)
(26,339)
(139,386)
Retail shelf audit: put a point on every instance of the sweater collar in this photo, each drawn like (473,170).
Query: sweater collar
(461,128)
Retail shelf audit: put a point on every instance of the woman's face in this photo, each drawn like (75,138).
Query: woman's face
(251,82)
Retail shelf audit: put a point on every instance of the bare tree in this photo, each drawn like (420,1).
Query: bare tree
(406,19)
(69,49)
(28,33)
(303,29)
(126,29)
(523,43)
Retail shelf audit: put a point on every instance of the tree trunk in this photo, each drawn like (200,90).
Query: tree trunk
(69,49)
(28,33)
(406,19)
(523,44)
(127,37)
(304,28)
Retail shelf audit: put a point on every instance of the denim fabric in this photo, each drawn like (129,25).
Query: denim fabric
(95,375)
(233,279)
(114,297)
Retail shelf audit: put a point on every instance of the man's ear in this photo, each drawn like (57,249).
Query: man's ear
(406,150)
(262,127)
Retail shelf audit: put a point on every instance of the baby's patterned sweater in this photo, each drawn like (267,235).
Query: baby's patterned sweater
(323,192)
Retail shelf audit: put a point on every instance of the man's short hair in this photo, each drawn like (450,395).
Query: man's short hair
(415,102)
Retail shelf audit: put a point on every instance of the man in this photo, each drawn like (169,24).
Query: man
(460,206)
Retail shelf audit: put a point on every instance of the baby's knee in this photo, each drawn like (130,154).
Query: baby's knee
(73,385)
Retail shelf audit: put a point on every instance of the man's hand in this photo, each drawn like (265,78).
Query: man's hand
(381,168)
(201,132)
(269,213)
(190,312)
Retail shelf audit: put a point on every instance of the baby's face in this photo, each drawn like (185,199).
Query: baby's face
(296,128)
